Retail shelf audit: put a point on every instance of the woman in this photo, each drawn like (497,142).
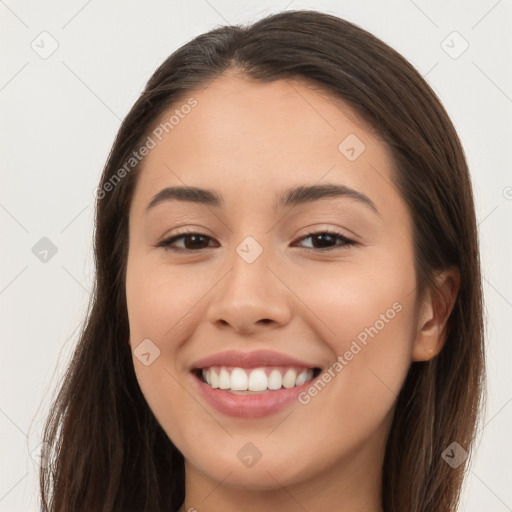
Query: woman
(287,311)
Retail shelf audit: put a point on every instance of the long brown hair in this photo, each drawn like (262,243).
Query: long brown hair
(103,448)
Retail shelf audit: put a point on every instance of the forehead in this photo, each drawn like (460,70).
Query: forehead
(244,136)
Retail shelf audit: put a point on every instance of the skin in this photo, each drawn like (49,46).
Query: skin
(249,141)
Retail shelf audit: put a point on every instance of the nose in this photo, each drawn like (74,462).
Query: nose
(250,298)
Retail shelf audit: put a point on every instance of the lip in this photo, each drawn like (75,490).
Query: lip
(249,406)
(253,359)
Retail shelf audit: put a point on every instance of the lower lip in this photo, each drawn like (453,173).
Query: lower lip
(249,406)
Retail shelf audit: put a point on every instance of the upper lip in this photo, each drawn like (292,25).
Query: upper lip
(254,359)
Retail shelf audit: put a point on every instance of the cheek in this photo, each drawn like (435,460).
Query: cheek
(160,299)
(369,320)
(356,394)
(164,306)
(349,301)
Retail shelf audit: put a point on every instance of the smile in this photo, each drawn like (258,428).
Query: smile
(255,380)
(251,384)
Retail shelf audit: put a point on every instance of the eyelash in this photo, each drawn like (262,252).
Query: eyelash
(346,242)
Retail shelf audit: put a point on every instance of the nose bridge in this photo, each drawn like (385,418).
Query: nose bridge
(250,293)
(248,277)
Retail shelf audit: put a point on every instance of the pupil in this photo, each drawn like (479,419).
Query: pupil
(325,239)
(195,239)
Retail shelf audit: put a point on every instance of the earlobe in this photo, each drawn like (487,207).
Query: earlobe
(434,313)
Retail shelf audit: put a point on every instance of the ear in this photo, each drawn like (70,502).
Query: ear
(435,309)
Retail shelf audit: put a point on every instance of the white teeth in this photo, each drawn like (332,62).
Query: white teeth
(224,379)
(275,380)
(239,380)
(255,379)
(215,379)
(289,378)
(303,377)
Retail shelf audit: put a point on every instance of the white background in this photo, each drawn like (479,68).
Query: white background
(59,116)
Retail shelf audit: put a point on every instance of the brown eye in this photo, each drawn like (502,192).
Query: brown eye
(322,241)
(191,242)
(325,239)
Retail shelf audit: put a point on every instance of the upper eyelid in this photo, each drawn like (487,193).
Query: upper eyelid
(304,235)
(307,231)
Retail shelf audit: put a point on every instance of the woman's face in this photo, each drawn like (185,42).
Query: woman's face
(254,278)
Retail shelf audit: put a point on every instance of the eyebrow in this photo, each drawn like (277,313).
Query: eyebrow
(291,197)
